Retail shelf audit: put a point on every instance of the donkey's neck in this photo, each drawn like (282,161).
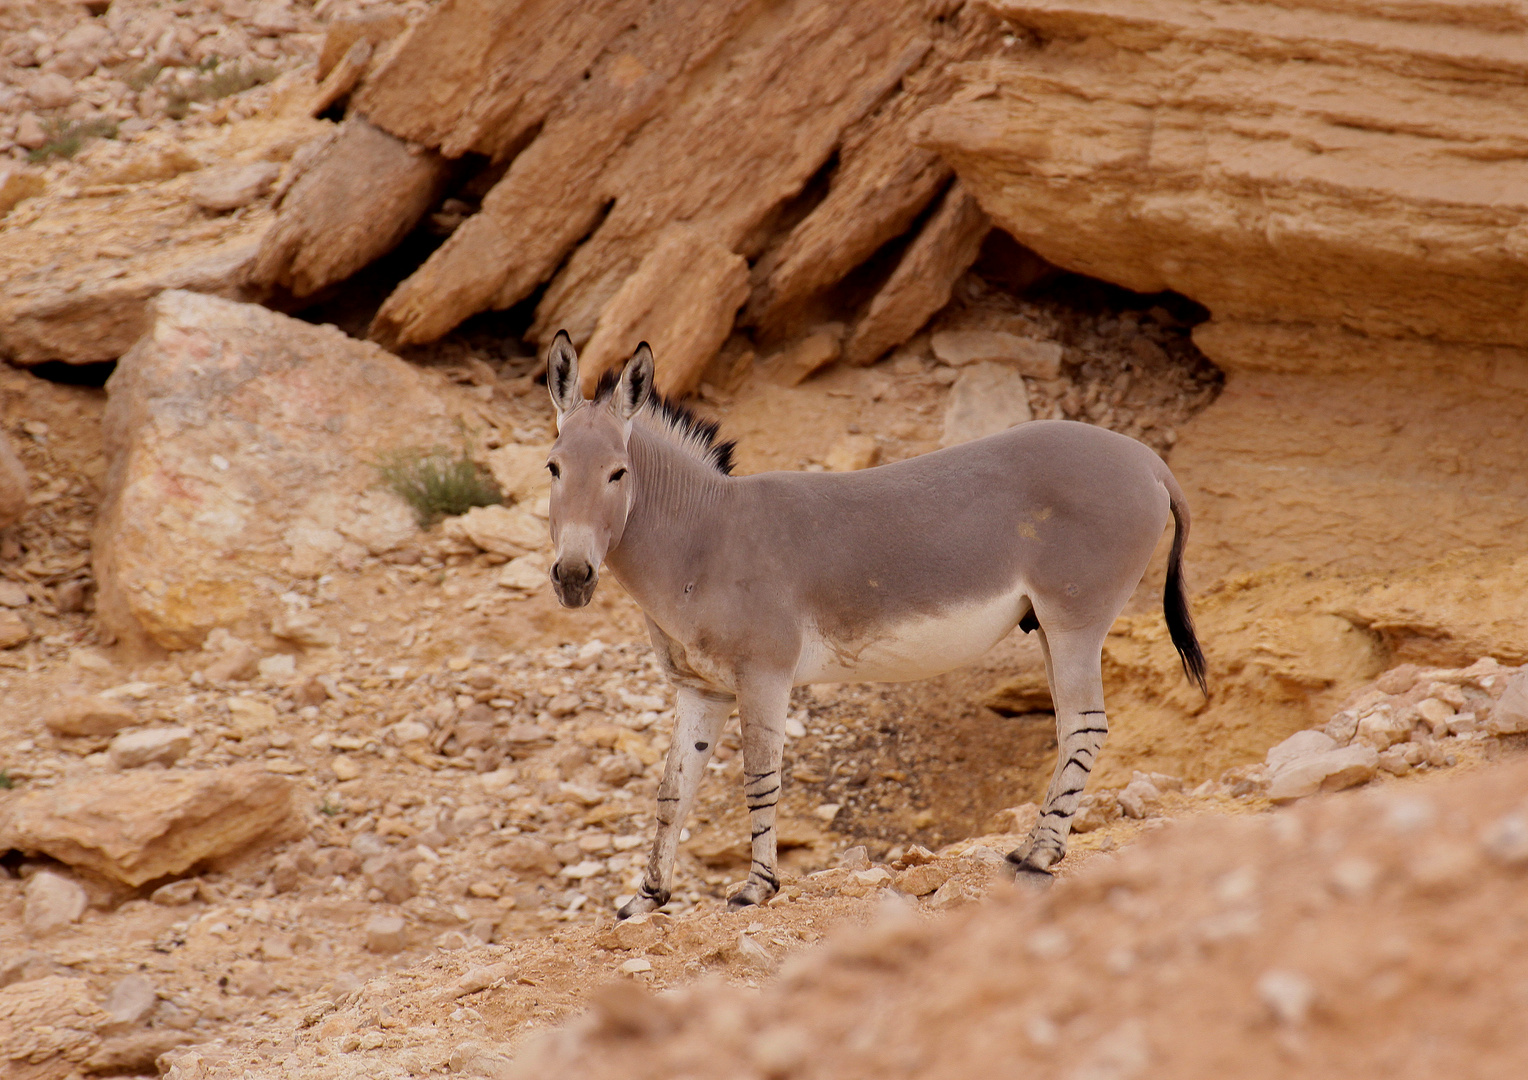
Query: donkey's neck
(676,504)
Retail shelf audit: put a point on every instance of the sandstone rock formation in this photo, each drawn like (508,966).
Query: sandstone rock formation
(144,826)
(636,141)
(243,443)
(87,301)
(1335,186)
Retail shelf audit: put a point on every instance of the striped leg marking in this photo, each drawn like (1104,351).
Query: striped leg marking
(1078,751)
(763,715)
(697,727)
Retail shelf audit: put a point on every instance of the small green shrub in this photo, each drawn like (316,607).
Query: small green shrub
(7,781)
(438,483)
(66,137)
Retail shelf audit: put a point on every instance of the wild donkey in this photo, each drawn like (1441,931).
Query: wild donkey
(755,584)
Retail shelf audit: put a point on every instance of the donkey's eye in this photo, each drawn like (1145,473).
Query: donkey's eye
(617,475)
(553,468)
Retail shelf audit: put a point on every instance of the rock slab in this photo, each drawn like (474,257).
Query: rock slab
(241,445)
(140,827)
(985,399)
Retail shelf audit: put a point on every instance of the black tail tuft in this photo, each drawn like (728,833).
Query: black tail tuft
(1180,624)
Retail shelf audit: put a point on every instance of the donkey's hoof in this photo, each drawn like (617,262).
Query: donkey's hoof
(750,895)
(640,904)
(1026,872)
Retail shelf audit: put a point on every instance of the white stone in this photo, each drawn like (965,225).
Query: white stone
(501,530)
(280,668)
(150,746)
(520,469)
(1510,715)
(385,933)
(528,574)
(827,811)
(987,398)
(1289,995)
(233,186)
(1037,359)
(1301,744)
(52,901)
(1506,839)
(131,999)
(1385,725)
(1331,771)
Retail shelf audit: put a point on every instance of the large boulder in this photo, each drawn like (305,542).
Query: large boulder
(140,826)
(242,447)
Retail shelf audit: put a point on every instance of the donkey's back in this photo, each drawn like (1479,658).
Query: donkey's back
(917,567)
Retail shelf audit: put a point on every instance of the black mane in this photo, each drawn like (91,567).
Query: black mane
(697,435)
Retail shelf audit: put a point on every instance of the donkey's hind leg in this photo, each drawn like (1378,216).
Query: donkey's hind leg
(762,703)
(698,723)
(1073,667)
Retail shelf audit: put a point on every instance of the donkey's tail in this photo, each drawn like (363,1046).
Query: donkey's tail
(1180,623)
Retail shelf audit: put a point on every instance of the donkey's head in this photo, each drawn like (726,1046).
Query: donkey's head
(590,466)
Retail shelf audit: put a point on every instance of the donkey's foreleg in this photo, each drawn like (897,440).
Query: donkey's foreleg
(698,724)
(762,705)
(1072,664)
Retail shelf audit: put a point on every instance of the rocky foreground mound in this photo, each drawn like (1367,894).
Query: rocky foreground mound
(1363,936)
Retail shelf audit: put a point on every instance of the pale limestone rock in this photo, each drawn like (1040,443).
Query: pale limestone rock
(238,436)
(232,186)
(131,999)
(50,91)
(142,826)
(305,629)
(1331,771)
(922,880)
(528,574)
(986,398)
(386,934)
(150,746)
(852,453)
(1385,725)
(1510,714)
(13,595)
(1036,359)
(500,529)
(89,715)
(52,901)
(1301,744)
(50,1017)
(382,522)
(681,300)
(520,470)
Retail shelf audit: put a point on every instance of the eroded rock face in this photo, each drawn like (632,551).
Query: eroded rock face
(1325,181)
(1371,134)
(142,826)
(243,443)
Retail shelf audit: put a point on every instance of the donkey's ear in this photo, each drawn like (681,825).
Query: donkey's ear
(636,384)
(562,375)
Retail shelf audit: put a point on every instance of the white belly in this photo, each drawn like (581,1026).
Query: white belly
(915,649)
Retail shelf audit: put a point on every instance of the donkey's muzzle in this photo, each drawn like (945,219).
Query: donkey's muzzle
(573,581)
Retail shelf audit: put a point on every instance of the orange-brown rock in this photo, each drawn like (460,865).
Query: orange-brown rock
(925,276)
(681,300)
(138,827)
(354,205)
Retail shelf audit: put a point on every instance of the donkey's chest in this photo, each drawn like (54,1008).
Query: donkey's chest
(913,647)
